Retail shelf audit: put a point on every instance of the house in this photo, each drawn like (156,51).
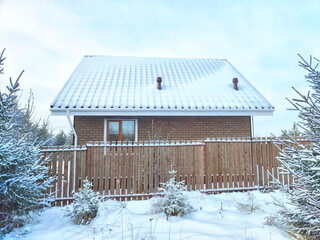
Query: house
(140,98)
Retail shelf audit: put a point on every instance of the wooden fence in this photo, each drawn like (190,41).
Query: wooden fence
(135,171)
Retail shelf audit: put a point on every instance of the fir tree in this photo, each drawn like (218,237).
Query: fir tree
(38,129)
(174,202)
(23,174)
(302,213)
(293,132)
(85,205)
(63,139)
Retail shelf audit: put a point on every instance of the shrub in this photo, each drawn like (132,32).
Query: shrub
(249,206)
(174,202)
(85,205)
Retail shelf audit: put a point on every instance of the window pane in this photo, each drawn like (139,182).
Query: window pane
(113,131)
(127,130)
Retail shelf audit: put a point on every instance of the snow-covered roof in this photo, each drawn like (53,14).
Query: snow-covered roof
(124,86)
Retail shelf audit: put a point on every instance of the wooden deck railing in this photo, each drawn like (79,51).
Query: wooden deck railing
(137,169)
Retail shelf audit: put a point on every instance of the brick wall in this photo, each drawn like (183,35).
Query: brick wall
(168,128)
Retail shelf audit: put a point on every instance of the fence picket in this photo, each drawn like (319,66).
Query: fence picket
(254,163)
(139,167)
(167,163)
(59,187)
(95,168)
(54,173)
(248,164)
(201,167)
(215,164)
(265,162)
(118,169)
(129,170)
(224,165)
(66,160)
(162,163)
(259,162)
(101,166)
(134,169)
(107,171)
(156,169)
(229,150)
(71,174)
(112,170)
(148,165)
(78,168)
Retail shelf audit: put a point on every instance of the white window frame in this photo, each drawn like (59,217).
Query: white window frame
(120,119)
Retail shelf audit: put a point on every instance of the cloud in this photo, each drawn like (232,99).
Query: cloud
(260,38)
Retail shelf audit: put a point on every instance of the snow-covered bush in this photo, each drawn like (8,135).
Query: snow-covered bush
(23,171)
(174,202)
(302,213)
(85,205)
(249,206)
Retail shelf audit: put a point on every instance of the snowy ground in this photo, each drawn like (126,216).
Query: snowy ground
(224,216)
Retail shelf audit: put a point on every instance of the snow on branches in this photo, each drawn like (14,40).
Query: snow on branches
(85,205)
(302,213)
(23,171)
(174,202)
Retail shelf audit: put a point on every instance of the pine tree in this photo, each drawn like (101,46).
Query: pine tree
(85,205)
(23,174)
(293,132)
(63,139)
(302,213)
(38,129)
(174,202)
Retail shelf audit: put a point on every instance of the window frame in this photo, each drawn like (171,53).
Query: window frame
(106,127)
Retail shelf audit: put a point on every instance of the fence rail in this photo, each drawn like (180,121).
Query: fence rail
(138,168)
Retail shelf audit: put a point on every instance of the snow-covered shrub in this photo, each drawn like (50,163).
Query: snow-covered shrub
(85,205)
(248,206)
(302,212)
(174,202)
(270,220)
(23,171)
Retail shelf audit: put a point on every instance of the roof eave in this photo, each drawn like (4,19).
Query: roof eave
(175,112)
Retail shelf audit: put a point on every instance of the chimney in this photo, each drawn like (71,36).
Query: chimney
(235,84)
(159,80)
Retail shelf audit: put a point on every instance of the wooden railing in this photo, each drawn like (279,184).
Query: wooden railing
(136,170)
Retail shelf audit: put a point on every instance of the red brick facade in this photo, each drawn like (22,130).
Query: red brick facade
(168,128)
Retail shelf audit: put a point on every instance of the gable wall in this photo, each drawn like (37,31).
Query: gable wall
(168,128)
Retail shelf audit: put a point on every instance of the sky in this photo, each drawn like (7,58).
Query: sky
(261,39)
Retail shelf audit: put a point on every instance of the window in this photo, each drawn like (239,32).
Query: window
(120,130)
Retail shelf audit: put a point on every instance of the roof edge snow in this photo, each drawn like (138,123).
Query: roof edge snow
(175,112)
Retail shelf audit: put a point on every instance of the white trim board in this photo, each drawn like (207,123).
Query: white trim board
(92,112)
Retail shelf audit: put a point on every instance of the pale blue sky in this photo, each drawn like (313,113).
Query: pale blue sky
(260,38)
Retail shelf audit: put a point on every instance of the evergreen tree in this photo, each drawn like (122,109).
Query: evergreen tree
(85,205)
(23,174)
(40,130)
(174,202)
(302,213)
(63,139)
(293,132)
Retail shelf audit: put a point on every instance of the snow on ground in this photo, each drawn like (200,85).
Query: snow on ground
(223,216)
